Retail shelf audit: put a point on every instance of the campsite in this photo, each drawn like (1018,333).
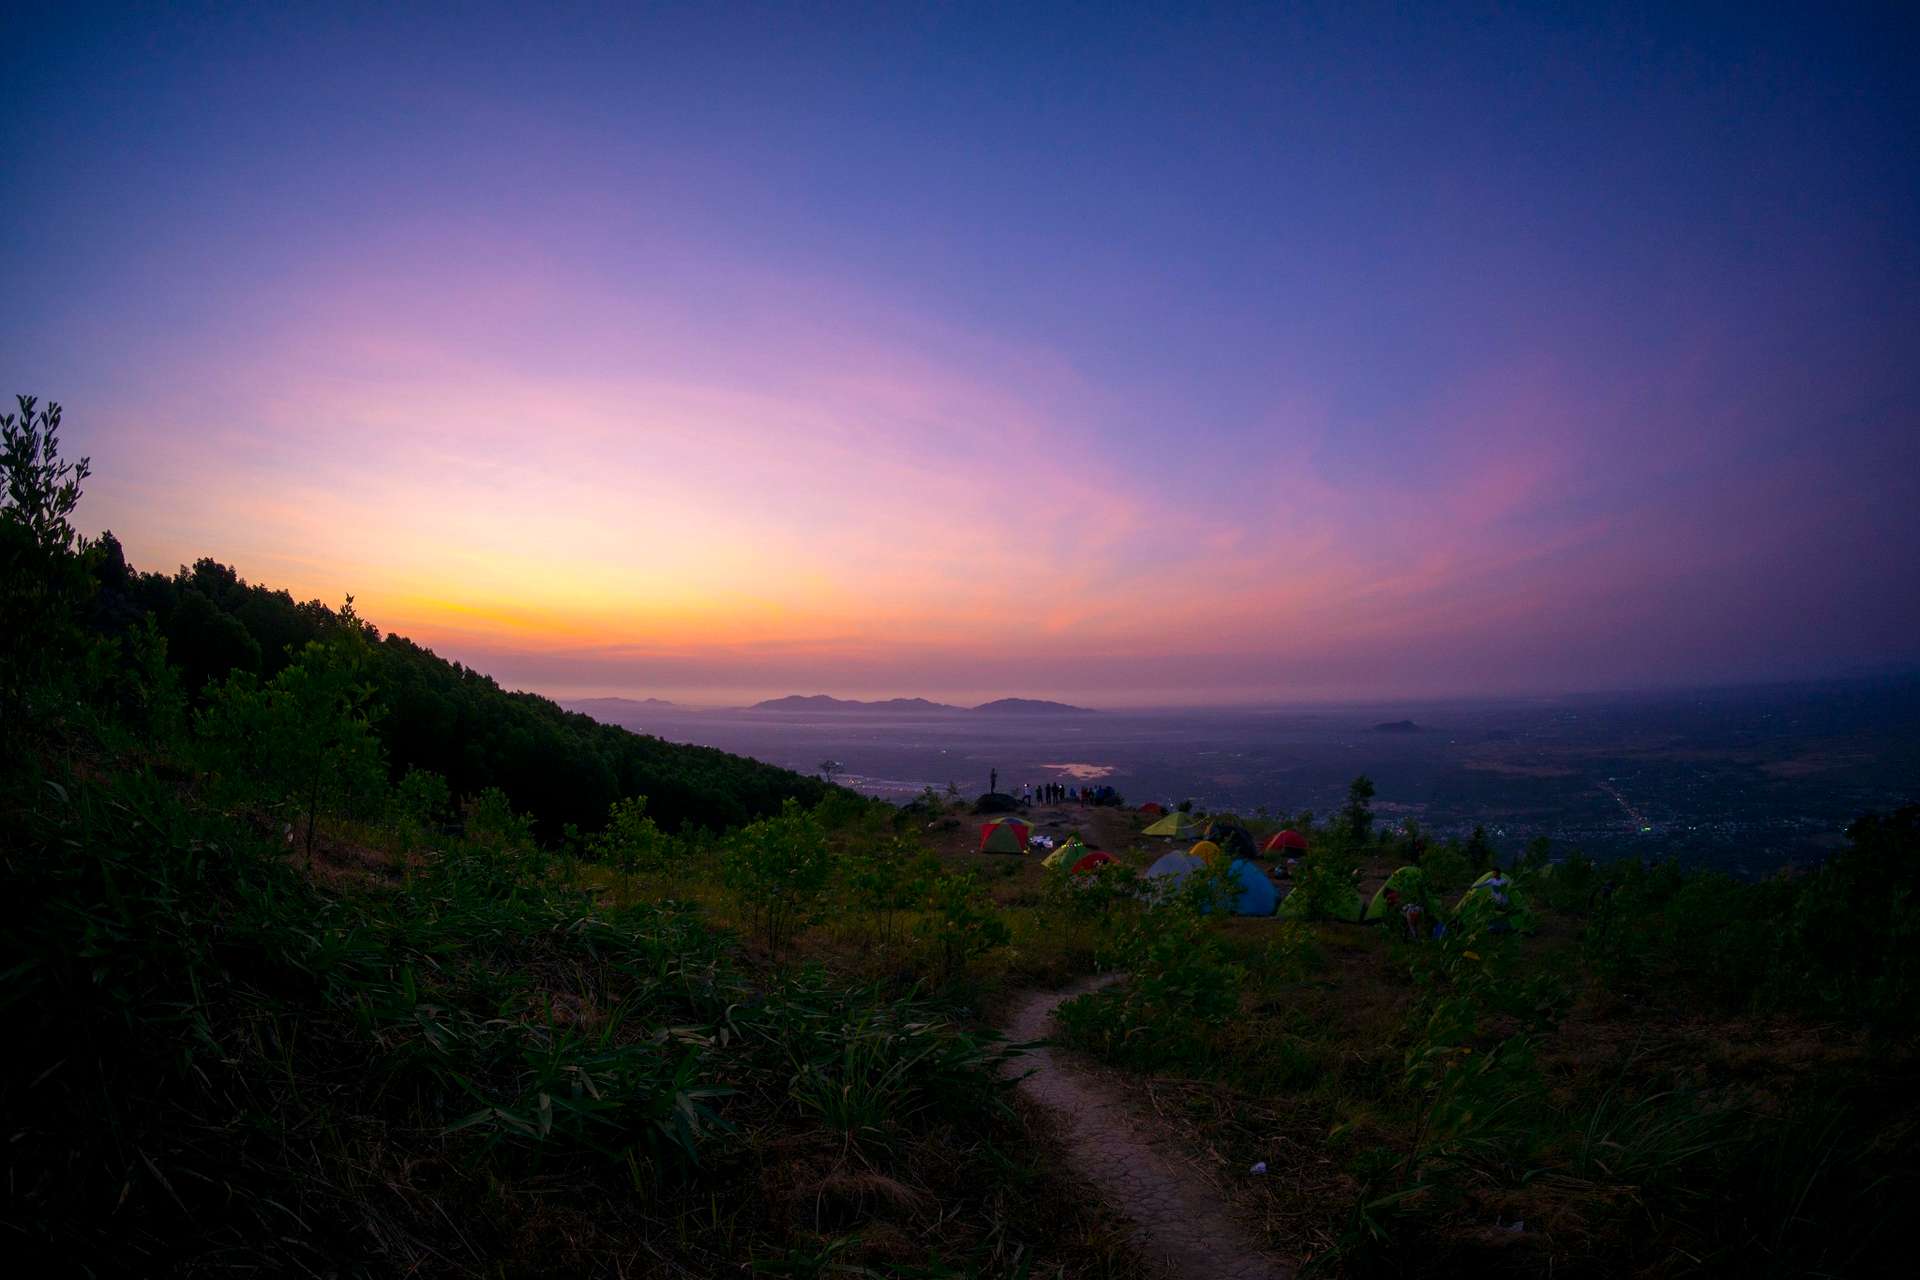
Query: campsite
(1344,1030)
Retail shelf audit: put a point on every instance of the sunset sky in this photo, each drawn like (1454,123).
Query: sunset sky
(1121,354)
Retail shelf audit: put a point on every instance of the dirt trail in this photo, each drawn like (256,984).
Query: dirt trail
(1179,1221)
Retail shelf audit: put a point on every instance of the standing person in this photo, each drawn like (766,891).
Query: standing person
(993,781)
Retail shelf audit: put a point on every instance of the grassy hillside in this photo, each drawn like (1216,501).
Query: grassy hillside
(286,999)
(324,956)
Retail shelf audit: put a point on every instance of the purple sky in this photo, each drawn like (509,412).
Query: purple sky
(1126,354)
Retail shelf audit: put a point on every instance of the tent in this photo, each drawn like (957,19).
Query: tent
(1493,904)
(1071,850)
(1005,835)
(1093,862)
(1405,897)
(1287,841)
(1166,875)
(1254,894)
(1206,851)
(1175,824)
(1232,837)
(1153,810)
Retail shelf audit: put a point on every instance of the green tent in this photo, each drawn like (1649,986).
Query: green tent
(1405,896)
(1493,904)
(1184,825)
(1071,850)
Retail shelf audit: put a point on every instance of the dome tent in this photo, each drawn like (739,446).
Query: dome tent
(1071,850)
(1093,862)
(1183,825)
(1206,851)
(1288,841)
(1405,897)
(1170,872)
(1493,904)
(1254,894)
(1005,835)
(1153,810)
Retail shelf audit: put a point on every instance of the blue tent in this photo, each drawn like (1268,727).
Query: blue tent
(1169,872)
(1254,894)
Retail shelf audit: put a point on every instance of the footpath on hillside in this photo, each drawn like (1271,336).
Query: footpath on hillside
(1179,1220)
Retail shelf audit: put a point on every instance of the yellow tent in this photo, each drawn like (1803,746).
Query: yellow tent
(1175,824)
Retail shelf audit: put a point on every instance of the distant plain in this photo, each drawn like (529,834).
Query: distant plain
(1744,780)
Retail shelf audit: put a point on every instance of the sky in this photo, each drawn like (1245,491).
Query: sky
(1126,354)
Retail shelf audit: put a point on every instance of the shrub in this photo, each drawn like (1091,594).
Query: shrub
(491,821)
(631,841)
(418,804)
(884,877)
(961,922)
(776,869)
(1323,883)
(304,741)
(1181,986)
(1092,895)
(1447,867)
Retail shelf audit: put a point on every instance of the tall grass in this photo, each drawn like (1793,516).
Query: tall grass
(215,1054)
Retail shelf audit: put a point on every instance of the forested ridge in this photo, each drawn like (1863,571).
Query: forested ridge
(559,766)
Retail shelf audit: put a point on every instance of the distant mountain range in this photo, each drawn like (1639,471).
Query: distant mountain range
(614,704)
(823,702)
(916,706)
(818,703)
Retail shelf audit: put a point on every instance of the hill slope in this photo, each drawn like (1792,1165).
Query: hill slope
(561,766)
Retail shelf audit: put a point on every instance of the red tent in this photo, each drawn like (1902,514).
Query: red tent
(1286,842)
(1152,809)
(1092,861)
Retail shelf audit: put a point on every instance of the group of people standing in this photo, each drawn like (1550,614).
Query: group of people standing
(1050,793)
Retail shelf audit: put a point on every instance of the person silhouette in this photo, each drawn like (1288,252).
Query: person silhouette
(993,781)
